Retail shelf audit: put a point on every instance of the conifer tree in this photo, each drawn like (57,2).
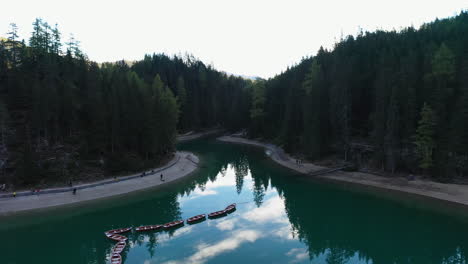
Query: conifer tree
(257,111)
(36,39)
(314,139)
(13,42)
(424,138)
(13,33)
(73,47)
(56,41)
(182,101)
(169,118)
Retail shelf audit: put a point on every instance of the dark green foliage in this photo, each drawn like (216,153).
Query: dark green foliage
(424,138)
(362,99)
(182,101)
(257,109)
(206,97)
(28,172)
(60,111)
(315,109)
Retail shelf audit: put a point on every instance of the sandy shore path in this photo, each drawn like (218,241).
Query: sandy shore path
(181,165)
(453,193)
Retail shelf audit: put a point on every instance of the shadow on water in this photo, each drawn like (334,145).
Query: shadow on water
(324,223)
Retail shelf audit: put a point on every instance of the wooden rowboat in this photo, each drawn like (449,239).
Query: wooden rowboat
(116,259)
(117,237)
(196,218)
(174,224)
(230,208)
(217,214)
(118,231)
(148,228)
(119,247)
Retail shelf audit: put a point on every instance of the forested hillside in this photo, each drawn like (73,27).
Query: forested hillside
(396,101)
(64,117)
(206,97)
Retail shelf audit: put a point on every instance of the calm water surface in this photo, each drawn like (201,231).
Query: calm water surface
(281,218)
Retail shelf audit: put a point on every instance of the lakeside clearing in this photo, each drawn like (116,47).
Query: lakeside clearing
(181,165)
(453,193)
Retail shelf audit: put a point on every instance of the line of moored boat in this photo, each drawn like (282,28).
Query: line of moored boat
(116,234)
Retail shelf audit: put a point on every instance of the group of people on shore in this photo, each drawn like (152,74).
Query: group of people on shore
(152,172)
(299,162)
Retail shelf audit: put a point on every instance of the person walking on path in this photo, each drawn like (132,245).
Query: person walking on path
(162,177)
(74,191)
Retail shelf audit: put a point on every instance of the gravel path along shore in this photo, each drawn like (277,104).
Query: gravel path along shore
(181,165)
(452,193)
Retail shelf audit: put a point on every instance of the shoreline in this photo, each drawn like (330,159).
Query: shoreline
(452,193)
(183,164)
(191,136)
(83,185)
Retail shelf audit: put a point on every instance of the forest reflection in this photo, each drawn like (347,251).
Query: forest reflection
(335,226)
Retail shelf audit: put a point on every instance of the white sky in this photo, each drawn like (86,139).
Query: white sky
(250,37)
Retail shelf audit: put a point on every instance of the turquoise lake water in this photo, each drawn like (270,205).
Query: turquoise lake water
(281,217)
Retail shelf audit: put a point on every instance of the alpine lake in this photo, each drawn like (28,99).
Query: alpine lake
(281,217)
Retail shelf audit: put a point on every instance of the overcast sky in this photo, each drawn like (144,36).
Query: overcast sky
(249,37)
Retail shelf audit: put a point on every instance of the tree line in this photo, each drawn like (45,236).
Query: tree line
(389,100)
(393,100)
(65,117)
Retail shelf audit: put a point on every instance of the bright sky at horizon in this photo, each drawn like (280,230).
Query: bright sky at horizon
(245,37)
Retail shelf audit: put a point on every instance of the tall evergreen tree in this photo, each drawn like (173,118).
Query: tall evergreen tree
(315,135)
(257,113)
(182,100)
(424,138)
(56,45)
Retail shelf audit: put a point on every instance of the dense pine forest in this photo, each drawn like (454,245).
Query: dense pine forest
(64,117)
(394,101)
